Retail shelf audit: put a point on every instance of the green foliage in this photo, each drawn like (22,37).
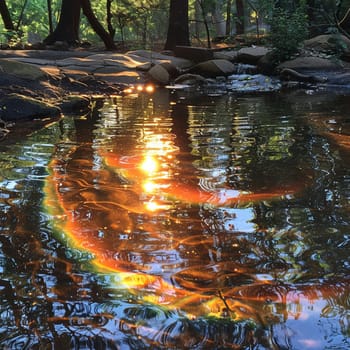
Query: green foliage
(288,31)
(28,17)
(144,22)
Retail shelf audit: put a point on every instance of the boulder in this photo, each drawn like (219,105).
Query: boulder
(301,64)
(15,107)
(267,64)
(75,104)
(329,43)
(214,68)
(230,55)
(342,79)
(162,73)
(190,79)
(251,55)
(292,75)
(195,54)
(21,70)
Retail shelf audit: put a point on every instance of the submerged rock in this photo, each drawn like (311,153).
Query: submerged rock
(75,104)
(190,79)
(15,107)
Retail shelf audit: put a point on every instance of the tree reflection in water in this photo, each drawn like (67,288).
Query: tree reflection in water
(183,272)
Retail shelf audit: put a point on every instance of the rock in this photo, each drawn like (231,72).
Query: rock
(162,73)
(126,77)
(34,61)
(267,64)
(345,57)
(34,38)
(75,104)
(291,74)
(97,84)
(301,64)
(214,68)
(190,79)
(251,55)
(329,43)
(150,56)
(78,61)
(109,69)
(159,74)
(15,107)
(21,70)
(342,79)
(74,72)
(144,67)
(230,55)
(195,54)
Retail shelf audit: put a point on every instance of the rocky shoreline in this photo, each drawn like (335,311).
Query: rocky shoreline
(38,85)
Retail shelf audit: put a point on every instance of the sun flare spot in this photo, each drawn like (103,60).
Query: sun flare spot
(149,165)
(152,206)
(149,88)
(149,186)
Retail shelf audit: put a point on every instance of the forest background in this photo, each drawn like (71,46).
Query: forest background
(156,24)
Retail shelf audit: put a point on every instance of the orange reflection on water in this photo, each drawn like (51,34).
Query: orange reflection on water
(93,214)
(105,210)
(146,170)
(149,88)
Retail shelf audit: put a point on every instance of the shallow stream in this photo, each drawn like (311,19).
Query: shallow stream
(174,220)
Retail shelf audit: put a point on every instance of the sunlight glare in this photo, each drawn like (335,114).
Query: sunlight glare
(152,206)
(149,165)
(149,186)
(149,88)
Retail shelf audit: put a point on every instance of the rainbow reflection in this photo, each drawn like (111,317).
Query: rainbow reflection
(96,208)
(91,209)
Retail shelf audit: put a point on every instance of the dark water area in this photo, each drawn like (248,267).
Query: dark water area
(169,220)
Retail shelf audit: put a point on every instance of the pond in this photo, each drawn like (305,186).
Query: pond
(175,220)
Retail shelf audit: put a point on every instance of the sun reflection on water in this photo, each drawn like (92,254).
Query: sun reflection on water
(170,232)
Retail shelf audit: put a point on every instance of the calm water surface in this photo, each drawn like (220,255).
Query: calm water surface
(173,221)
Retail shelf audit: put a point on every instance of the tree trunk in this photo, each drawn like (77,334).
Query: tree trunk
(97,26)
(20,19)
(110,27)
(198,19)
(206,26)
(49,11)
(5,15)
(240,17)
(67,29)
(228,17)
(178,31)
